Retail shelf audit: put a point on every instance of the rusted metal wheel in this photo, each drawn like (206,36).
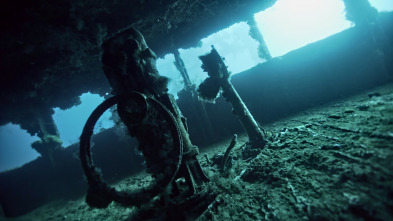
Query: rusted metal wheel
(136,106)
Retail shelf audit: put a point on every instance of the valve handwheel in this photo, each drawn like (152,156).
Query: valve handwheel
(135,108)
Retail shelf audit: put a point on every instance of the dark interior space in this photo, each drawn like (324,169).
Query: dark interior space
(51,54)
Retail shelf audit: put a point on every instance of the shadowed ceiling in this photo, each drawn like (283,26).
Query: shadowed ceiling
(50,50)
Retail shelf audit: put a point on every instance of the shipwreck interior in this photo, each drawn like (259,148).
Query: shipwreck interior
(304,135)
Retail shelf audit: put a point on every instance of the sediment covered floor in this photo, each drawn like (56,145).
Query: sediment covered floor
(328,163)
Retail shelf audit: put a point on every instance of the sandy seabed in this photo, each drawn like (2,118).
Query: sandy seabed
(333,162)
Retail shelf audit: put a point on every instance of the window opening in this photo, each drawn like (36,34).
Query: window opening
(167,68)
(292,24)
(15,147)
(382,5)
(70,122)
(234,43)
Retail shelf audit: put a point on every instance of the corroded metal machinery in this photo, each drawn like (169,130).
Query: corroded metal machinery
(152,116)
(218,81)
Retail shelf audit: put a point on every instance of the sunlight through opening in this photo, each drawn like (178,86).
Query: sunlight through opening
(234,43)
(167,68)
(292,24)
(382,5)
(70,122)
(15,147)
